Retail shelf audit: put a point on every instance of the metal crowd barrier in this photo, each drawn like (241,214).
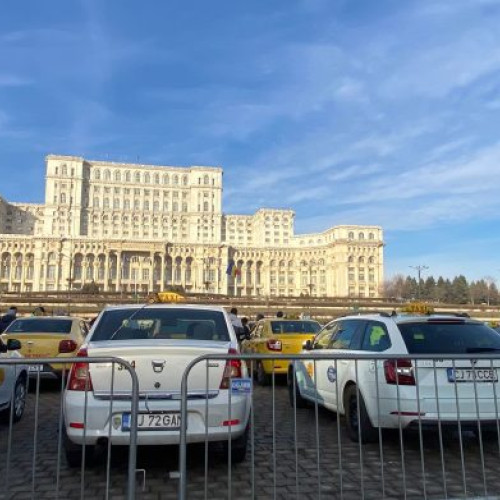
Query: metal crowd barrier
(58,481)
(293,451)
(308,455)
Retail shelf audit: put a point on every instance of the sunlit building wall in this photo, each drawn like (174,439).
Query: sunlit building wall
(131,227)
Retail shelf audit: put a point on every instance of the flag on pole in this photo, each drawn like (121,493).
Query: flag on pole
(232,269)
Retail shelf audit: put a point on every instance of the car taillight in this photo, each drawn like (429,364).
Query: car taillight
(66,346)
(231,370)
(274,345)
(79,376)
(399,371)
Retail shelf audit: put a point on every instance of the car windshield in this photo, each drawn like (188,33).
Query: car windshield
(40,325)
(449,337)
(157,323)
(294,327)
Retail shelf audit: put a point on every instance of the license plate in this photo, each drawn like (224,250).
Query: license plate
(472,374)
(154,421)
(35,368)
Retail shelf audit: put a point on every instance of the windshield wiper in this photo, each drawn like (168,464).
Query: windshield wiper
(478,350)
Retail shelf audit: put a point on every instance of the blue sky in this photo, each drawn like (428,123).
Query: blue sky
(371,112)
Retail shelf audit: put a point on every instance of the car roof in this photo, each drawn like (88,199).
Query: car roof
(131,307)
(409,318)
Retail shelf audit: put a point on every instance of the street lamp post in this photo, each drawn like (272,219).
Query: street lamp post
(122,273)
(70,280)
(148,262)
(419,270)
(206,278)
(135,260)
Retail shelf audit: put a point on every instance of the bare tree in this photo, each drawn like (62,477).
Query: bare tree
(490,288)
(395,287)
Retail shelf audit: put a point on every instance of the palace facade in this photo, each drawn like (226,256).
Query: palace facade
(130,227)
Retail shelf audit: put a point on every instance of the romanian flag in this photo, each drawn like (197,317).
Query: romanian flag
(232,269)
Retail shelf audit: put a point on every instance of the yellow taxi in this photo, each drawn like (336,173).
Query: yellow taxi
(277,336)
(47,337)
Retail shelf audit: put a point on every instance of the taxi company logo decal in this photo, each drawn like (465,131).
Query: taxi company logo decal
(117,421)
(331,373)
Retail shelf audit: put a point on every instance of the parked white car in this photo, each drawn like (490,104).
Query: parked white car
(401,392)
(159,341)
(13,382)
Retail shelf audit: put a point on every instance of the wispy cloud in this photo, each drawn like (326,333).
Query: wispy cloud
(9,80)
(345,112)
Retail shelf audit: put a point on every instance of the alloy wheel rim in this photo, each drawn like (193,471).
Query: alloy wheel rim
(19,399)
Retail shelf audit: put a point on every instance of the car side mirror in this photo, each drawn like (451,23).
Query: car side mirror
(307,345)
(13,345)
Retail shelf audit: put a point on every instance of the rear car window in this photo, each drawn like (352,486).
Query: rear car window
(449,337)
(295,327)
(376,338)
(34,325)
(157,324)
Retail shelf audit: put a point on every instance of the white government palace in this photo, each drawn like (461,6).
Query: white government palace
(128,227)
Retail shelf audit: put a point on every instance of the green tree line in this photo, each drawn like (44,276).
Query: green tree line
(456,291)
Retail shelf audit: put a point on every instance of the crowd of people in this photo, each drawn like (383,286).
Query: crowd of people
(243,326)
(11,315)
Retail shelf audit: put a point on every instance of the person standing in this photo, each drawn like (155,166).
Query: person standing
(8,318)
(237,324)
(246,329)
(39,311)
(233,316)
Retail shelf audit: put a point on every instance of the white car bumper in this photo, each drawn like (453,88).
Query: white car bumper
(102,419)
(407,413)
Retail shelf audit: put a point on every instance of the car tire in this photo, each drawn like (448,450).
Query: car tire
(263,378)
(238,448)
(368,432)
(20,392)
(73,452)
(293,387)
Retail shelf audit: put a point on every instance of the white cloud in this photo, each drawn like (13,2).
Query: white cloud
(435,71)
(476,173)
(353,172)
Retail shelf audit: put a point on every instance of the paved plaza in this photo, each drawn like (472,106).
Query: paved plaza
(282,466)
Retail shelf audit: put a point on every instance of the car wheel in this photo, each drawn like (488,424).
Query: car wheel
(357,419)
(263,378)
(294,392)
(19,399)
(74,452)
(239,448)
(19,402)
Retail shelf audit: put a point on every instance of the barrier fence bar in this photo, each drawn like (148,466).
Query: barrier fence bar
(403,408)
(23,364)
